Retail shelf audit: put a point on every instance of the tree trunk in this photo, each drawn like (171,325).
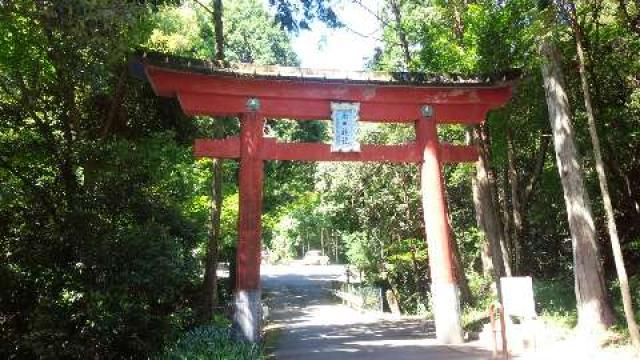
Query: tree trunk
(337,248)
(505,208)
(404,43)
(516,208)
(485,256)
(485,145)
(632,22)
(466,297)
(210,281)
(486,213)
(219,31)
(629,189)
(458,25)
(604,190)
(594,312)
(545,139)
(486,210)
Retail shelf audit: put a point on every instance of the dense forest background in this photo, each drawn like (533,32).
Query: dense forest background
(105,216)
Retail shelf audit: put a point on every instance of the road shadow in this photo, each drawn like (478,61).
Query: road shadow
(397,340)
(315,325)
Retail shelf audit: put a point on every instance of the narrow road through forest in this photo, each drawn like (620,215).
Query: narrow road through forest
(313,325)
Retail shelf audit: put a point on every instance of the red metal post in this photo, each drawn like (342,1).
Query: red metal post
(444,290)
(247,297)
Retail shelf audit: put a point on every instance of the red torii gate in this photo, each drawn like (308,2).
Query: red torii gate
(255,93)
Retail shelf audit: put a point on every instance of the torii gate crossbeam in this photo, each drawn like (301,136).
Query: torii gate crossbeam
(256,93)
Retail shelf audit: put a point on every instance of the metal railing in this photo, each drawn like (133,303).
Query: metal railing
(362,296)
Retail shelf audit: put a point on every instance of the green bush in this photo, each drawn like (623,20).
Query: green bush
(556,301)
(211,342)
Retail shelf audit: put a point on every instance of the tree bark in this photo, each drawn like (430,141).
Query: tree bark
(488,198)
(466,297)
(516,208)
(485,256)
(485,145)
(217,21)
(402,36)
(210,281)
(505,208)
(627,301)
(486,215)
(594,312)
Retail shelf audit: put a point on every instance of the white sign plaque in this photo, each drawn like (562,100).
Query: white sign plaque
(345,127)
(517,296)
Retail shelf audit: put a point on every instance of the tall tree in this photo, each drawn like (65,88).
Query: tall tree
(594,312)
(627,302)
(486,212)
(402,36)
(485,190)
(210,280)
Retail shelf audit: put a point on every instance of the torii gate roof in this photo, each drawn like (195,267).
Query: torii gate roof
(277,72)
(208,88)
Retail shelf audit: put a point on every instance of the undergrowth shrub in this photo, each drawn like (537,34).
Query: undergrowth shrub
(211,342)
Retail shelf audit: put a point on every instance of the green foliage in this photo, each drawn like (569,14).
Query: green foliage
(103,211)
(298,224)
(104,214)
(556,301)
(406,271)
(295,15)
(78,268)
(362,252)
(211,342)
(250,35)
(374,209)
(474,317)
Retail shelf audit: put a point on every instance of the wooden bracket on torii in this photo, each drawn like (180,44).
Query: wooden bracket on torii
(255,95)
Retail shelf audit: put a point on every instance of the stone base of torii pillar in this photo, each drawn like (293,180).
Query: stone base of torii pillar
(247,318)
(446,313)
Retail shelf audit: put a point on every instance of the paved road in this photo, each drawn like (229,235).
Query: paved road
(314,326)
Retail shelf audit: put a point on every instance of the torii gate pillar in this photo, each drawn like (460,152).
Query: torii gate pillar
(248,305)
(444,289)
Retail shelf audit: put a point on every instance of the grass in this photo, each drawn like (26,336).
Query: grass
(476,315)
(555,304)
(272,334)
